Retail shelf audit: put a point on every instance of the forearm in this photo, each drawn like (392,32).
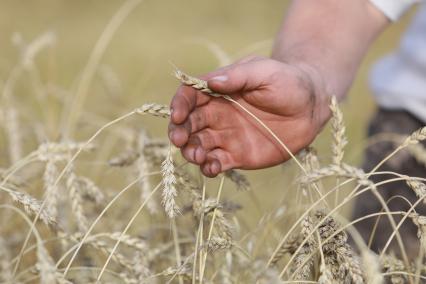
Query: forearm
(329,37)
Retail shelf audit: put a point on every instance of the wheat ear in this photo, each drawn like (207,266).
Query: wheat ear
(169,186)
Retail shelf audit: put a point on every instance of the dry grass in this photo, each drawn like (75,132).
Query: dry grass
(113,231)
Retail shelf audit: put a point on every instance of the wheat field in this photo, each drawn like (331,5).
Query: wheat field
(91,191)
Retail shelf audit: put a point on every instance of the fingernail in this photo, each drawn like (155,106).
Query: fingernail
(199,155)
(221,78)
(214,168)
(192,154)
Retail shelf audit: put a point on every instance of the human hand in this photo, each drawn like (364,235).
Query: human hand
(217,135)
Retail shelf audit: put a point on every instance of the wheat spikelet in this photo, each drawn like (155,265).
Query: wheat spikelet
(342,170)
(51,188)
(205,207)
(196,83)
(76,200)
(192,81)
(326,276)
(288,247)
(310,159)
(60,151)
(32,206)
(391,264)
(415,137)
(307,227)
(301,261)
(217,243)
(169,189)
(350,268)
(222,226)
(103,246)
(420,222)
(419,188)
(328,228)
(130,241)
(91,190)
(333,267)
(338,130)
(154,109)
(337,250)
(239,179)
(117,257)
(311,163)
(124,159)
(141,270)
(305,268)
(187,182)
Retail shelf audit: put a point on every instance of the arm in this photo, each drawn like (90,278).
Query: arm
(330,36)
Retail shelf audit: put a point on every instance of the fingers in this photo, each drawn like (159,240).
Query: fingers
(185,100)
(206,149)
(245,76)
(195,151)
(197,120)
(217,161)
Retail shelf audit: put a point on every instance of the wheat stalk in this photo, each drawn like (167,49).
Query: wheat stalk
(14,135)
(144,166)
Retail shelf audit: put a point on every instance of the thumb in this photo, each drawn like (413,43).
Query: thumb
(236,78)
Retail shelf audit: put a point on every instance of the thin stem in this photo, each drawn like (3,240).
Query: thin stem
(177,247)
(126,229)
(276,138)
(219,193)
(199,234)
(98,218)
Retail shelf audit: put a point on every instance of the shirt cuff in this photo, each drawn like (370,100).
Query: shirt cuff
(394,9)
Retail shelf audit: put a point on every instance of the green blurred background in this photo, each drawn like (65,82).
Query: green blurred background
(137,62)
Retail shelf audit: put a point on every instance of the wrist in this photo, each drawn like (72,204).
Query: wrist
(321,92)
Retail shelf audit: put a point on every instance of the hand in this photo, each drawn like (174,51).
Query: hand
(217,135)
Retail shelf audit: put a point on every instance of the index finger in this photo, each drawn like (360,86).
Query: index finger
(185,101)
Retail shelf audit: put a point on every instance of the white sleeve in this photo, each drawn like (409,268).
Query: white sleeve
(394,9)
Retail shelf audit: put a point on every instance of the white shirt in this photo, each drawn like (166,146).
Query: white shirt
(398,81)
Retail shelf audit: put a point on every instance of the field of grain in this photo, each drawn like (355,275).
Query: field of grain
(92,192)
